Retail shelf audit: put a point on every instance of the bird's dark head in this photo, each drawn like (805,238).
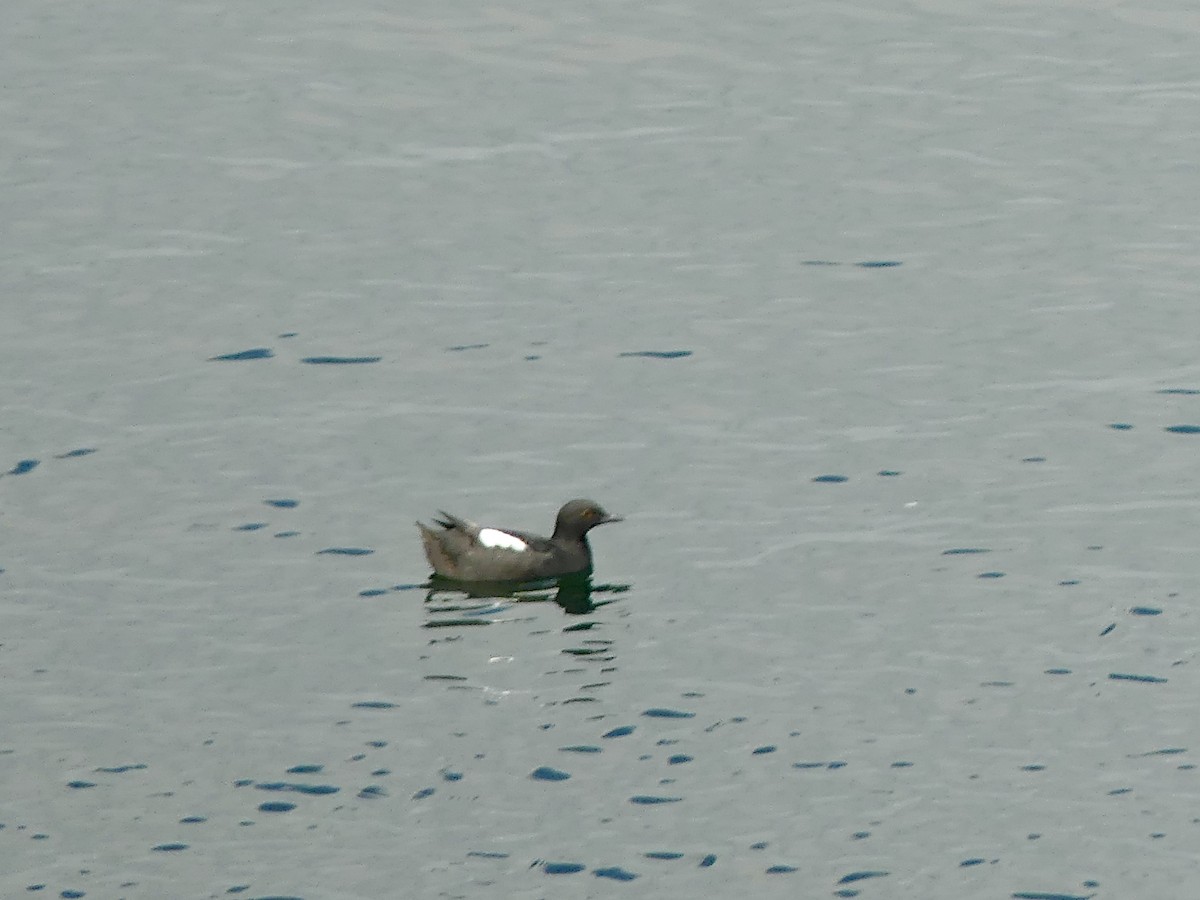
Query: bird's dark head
(578,517)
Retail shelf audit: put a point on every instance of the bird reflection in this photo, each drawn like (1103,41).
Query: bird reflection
(588,652)
(574,594)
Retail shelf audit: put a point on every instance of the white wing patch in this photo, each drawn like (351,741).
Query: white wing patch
(494,537)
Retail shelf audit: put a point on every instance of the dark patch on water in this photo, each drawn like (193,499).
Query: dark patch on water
(23,466)
(587,651)
(990,575)
(373,704)
(960,551)
(614,872)
(662,854)
(1108,629)
(283,503)
(1144,679)
(678,759)
(780,870)
(889,473)
(546,773)
(759,751)
(276,806)
(297,787)
(1034,459)
(461,347)
(487,854)
(372,592)
(660,713)
(831,479)
(1166,751)
(559,868)
(1069,582)
(864,264)
(193,820)
(340,360)
(250,526)
(423,793)
(708,860)
(658,354)
(973,861)
(120,770)
(650,800)
(75,454)
(1183,391)
(346,551)
(305,769)
(622,731)
(1145,611)
(80,785)
(169,848)
(372,792)
(289,334)
(902,764)
(580,748)
(1120,426)
(454,623)
(832,765)
(253,353)
(1042,895)
(1033,767)
(286,534)
(1058,672)
(1183,429)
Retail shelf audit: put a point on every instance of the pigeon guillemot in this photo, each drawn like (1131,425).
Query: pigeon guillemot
(464,551)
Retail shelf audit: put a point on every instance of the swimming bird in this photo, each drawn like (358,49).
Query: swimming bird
(464,551)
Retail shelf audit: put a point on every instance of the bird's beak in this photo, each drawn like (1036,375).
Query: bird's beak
(608,519)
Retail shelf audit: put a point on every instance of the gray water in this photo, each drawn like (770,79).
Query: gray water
(873,320)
